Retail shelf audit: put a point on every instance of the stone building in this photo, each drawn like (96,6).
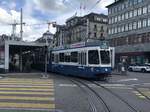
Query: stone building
(47,38)
(129,30)
(81,29)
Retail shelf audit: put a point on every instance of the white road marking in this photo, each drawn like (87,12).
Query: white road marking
(125,80)
(111,86)
(146,83)
(67,85)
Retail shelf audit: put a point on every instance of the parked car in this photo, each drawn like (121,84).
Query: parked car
(139,67)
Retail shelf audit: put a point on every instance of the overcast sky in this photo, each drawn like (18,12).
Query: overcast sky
(41,11)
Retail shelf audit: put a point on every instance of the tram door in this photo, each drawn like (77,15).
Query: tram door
(82,58)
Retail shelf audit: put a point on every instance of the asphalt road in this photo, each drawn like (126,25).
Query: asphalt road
(31,93)
(122,93)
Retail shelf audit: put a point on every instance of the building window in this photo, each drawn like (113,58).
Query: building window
(119,18)
(122,6)
(139,40)
(135,2)
(116,9)
(148,8)
(139,24)
(126,15)
(122,17)
(130,14)
(95,34)
(139,11)
(109,31)
(102,29)
(145,10)
(144,22)
(112,20)
(102,35)
(119,29)
(139,1)
(122,28)
(130,26)
(126,4)
(148,21)
(115,19)
(126,27)
(119,8)
(135,12)
(95,27)
(130,2)
(134,25)
(115,29)
(109,11)
(112,30)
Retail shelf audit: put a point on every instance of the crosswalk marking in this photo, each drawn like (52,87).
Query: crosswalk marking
(26,105)
(25,84)
(26,98)
(26,89)
(28,86)
(27,94)
(31,82)
(28,80)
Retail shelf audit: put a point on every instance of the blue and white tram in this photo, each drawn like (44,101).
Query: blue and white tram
(89,62)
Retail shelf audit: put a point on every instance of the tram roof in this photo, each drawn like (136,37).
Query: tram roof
(102,44)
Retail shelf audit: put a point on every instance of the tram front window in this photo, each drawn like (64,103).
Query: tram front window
(105,57)
(93,57)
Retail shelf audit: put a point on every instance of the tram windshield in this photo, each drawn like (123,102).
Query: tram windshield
(93,57)
(105,57)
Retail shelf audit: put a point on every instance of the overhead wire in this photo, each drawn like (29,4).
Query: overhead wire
(97,2)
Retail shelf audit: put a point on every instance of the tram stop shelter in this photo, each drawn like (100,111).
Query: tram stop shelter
(14,54)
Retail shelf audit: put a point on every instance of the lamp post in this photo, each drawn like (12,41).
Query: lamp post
(45,36)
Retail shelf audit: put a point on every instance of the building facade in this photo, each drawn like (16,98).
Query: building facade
(60,35)
(80,29)
(47,38)
(129,30)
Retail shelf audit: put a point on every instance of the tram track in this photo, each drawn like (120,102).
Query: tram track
(82,86)
(117,96)
(136,89)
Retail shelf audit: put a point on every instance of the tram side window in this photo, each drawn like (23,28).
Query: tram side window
(93,57)
(74,57)
(105,57)
(56,58)
(67,57)
(61,57)
(52,57)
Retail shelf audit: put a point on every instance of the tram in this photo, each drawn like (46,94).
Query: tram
(89,61)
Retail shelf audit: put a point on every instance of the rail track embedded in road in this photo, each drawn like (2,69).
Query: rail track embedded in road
(82,85)
(116,95)
(135,88)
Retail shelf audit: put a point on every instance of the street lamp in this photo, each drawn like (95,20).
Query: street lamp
(46,36)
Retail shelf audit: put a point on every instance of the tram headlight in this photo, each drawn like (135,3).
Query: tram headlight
(106,69)
(92,69)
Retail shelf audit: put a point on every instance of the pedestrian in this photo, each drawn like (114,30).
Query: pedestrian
(124,67)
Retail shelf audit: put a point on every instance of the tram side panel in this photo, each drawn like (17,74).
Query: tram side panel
(79,67)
